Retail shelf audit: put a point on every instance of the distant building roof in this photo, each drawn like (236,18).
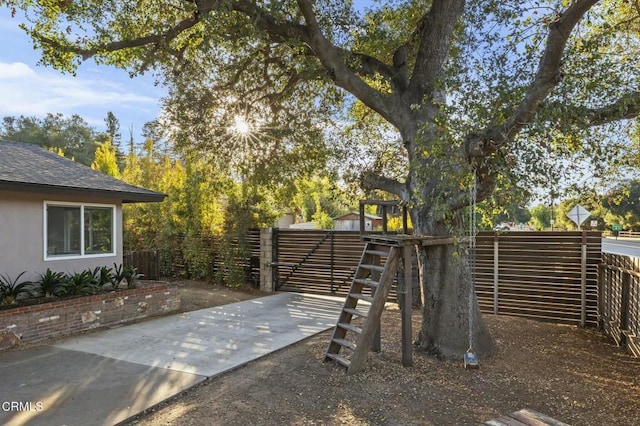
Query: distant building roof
(356,215)
(27,167)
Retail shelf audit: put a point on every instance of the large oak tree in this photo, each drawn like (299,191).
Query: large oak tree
(476,91)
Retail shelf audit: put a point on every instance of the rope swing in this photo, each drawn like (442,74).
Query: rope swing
(470,357)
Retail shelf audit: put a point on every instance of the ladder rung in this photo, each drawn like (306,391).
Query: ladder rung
(355,312)
(345,343)
(340,360)
(361,296)
(372,267)
(377,252)
(367,282)
(350,327)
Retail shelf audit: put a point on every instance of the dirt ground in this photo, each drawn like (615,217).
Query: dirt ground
(575,375)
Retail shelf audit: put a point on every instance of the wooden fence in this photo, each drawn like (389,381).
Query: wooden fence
(548,276)
(172,263)
(619,300)
(321,262)
(147,262)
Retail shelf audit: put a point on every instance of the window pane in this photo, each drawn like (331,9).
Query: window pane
(98,230)
(63,230)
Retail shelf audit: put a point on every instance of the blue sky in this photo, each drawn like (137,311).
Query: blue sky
(32,90)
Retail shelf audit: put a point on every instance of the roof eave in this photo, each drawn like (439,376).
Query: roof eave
(124,196)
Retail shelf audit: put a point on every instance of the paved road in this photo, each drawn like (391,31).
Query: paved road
(621,246)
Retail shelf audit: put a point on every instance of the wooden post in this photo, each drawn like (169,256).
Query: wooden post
(384,219)
(376,343)
(583,281)
(407,308)
(601,272)
(496,269)
(405,221)
(624,306)
(266,260)
(362,222)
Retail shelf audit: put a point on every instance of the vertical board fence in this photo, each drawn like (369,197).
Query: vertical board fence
(619,294)
(147,262)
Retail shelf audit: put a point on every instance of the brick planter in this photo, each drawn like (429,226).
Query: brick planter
(66,316)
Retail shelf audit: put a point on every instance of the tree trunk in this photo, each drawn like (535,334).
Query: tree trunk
(446,282)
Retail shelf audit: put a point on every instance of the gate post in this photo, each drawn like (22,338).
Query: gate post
(266,260)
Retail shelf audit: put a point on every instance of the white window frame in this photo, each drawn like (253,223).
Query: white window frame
(82,255)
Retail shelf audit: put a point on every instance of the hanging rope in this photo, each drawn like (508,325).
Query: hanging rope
(472,258)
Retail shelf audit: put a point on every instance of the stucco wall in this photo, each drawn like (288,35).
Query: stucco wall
(22,233)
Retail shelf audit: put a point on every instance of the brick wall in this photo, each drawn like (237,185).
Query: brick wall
(67,316)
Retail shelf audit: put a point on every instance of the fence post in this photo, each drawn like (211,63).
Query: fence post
(407,306)
(495,272)
(600,319)
(624,306)
(331,262)
(266,260)
(583,281)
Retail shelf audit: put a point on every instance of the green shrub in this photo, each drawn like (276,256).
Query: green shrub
(102,276)
(51,284)
(131,275)
(11,289)
(117,276)
(80,284)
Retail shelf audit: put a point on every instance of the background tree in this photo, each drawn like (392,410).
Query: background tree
(319,196)
(477,91)
(73,136)
(623,204)
(105,160)
(540,217)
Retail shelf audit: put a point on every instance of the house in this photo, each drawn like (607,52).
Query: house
(58,214)
(351,222)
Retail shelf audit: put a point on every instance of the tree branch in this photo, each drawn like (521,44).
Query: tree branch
(546,78)
(625,108)
(333,60)
(435,38)
(372,180)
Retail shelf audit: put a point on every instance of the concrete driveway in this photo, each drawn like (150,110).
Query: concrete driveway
(106,377)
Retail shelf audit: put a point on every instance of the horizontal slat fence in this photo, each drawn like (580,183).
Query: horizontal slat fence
(535,274)
(538,275)
(172,263)
(550,276)
(620,299)
(319,262)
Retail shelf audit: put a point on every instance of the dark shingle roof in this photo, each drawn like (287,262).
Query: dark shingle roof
(26,167)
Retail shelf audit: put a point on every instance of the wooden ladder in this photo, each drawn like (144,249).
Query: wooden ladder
(377,268)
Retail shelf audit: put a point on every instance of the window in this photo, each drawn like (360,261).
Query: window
(76,230)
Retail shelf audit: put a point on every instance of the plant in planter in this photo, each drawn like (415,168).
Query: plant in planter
(11,289)
(118,275)
(80,284)
(132,275)
(51,284)
(102,276)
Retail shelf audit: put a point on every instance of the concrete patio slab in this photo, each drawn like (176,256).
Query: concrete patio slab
(106,377)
